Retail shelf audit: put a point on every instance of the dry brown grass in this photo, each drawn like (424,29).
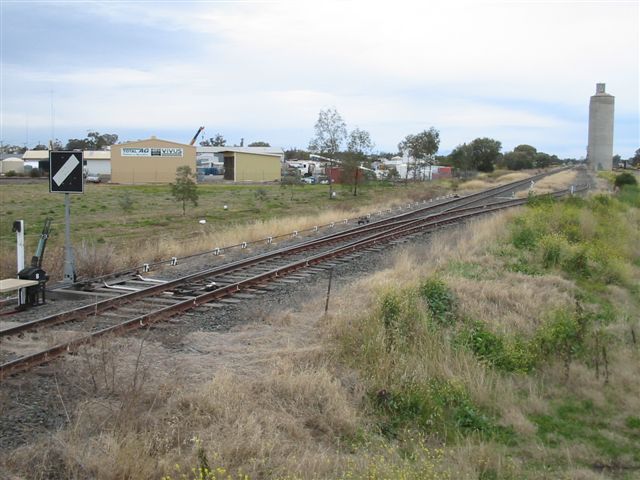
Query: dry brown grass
(274,398)
(552,183)
(512,302)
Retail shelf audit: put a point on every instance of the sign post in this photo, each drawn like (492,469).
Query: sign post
(66,176)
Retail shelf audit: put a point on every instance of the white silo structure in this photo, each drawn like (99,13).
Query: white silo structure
(600,146)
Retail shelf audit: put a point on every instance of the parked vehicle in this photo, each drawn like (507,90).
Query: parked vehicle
(309,180)
(93,179)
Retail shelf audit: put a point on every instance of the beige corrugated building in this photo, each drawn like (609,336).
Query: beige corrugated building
(150,161)
(243,166)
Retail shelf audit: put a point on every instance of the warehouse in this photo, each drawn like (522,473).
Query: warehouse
(248,164)
(96,162)
(150,161)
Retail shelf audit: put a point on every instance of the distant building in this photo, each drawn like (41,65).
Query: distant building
(96,162)
(214,155)
(12,164)
(600,145)
(241,166)
(150,161)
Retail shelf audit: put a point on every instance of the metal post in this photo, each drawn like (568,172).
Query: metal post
(326,305)
(69,260)
(18,227)
(330,185)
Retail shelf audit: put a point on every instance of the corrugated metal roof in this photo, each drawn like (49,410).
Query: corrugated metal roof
(41,155)
(257,150)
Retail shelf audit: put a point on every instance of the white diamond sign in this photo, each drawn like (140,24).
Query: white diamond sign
(65,170)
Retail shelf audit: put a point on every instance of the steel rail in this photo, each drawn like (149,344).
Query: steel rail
(496,190)
(101,306)
(416,225)
(29,361)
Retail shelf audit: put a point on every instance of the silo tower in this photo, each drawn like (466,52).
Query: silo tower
(600,147)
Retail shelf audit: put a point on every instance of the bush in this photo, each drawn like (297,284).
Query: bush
(508,355)
(578,264)
(552,249)
(437,406)
(10,173)
(625,178)
(440,301)
(35,173)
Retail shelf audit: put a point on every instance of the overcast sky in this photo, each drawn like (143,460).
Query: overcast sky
(516,71)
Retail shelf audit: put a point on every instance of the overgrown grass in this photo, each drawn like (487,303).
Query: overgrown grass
(144,223)
(413,349)
(455,367)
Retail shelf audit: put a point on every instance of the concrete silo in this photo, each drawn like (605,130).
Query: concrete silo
(600,146)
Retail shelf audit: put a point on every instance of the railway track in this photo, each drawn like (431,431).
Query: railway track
(138,305)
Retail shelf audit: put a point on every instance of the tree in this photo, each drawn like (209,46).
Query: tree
(330,133)
(185,189)
(542,160)
(217,141)
(517,160)
(359,146)
(422,147)
(484,153)
(259,144)
(527,150)
(101,142)
(635,160)
(78,144)
(93,141)
(13,149)
(296,154)
(360,142)
(460,158)
(55,144)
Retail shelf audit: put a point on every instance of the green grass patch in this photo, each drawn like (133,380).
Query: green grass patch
(579,421)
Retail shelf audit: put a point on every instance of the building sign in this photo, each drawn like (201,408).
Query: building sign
(151,152)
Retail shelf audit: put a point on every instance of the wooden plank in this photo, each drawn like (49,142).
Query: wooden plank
(13,284)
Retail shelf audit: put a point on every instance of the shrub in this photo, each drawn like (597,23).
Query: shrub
(552,248)
(126,202)
(509,355)
(563,335)
(625,178)
(440,301)
(437,406)
(578,263)
(524,237)
(35,173)
(11,173)
(260,194)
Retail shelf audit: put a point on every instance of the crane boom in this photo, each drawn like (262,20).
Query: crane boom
(195,137)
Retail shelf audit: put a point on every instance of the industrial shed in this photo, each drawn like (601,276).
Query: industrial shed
(96,162)
(243,166)
(150,161)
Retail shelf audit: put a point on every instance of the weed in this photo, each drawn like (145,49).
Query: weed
(509,355)
(440,301)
